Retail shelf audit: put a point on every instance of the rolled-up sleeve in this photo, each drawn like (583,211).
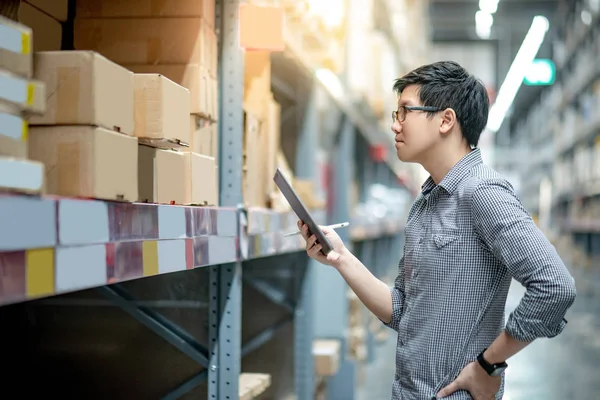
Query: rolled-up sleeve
(508,231)
(397,292)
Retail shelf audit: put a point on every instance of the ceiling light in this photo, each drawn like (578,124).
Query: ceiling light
(488,6)
(518,69)
(483,32)
(586,17)
(484,19)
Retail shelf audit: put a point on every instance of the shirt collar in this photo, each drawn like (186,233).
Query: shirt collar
(456,173)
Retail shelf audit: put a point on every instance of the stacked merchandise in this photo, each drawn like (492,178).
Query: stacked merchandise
(21,97)
(171,48)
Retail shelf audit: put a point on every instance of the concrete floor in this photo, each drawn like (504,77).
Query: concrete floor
(564,368)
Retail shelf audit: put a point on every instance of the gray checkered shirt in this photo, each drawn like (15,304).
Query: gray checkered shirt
(465,239)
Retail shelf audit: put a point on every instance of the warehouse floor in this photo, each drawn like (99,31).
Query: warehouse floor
(564,368)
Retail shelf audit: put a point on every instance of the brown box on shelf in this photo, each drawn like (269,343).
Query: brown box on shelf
(257,82)
(203,137)
(57,9)
(85,88)
(47,32)
(161,108)
(204,9)
(202,179)
(253,182)
(326,356)
(144,40)
(162,176)
(191,76)
(86,161)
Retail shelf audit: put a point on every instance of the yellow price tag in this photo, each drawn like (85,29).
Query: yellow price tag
(25,43)
(25,131)
(30,93)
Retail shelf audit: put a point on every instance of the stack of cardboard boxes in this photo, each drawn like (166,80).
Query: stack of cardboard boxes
(131,114)
(21,97)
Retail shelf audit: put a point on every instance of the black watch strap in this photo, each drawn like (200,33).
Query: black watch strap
(490,368)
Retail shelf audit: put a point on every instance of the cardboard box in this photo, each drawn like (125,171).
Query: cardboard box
(144,40)
(203,179)
(204,9)
(15,50)
(47,32)
(203,137)
(162,176)
(184,178)
(257,82)
(85,88)
(326,357)
(57,9)
(253,182)
(87,161)
(161,108)
(191,76)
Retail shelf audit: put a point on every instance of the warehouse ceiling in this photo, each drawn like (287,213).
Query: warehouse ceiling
(454,21)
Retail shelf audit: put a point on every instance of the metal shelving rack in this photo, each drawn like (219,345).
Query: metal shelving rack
(564,132)
(226,281)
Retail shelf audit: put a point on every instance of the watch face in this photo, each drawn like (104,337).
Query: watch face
(498,371)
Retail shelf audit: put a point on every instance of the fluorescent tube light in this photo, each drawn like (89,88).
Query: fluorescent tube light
(518,69)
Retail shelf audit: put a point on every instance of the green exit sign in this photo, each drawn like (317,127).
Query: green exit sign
(541,72)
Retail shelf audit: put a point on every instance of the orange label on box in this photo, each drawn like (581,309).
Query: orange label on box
(261,28)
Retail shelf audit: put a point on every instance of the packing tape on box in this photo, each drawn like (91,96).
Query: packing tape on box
(68,169)
(67,92)
(140,103)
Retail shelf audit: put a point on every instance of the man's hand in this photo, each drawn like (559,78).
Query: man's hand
(474,380)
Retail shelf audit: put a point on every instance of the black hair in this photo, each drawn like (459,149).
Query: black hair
(446,84)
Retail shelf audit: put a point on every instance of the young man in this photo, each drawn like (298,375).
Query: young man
(467,235)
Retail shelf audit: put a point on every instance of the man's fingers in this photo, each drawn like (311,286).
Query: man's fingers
(448,390)
(310,242)
(314,251)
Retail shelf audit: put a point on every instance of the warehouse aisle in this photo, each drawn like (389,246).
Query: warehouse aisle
(564,368)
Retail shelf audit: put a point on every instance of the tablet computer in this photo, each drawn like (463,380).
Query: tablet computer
(301,211)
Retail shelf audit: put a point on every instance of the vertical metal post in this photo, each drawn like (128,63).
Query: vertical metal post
(308,140)
(334,317)
(344,173)
(225,280)
(303,335)
(306,168)
(331,306)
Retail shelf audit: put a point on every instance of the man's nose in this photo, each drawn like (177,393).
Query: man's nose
(396,127)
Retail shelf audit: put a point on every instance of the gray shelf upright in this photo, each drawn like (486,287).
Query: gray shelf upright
(225,280)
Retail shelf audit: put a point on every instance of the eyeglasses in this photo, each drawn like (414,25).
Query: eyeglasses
(400,114)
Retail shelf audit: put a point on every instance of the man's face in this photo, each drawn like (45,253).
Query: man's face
(416,134)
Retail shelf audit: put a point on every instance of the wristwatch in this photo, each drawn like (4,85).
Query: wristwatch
(491,369)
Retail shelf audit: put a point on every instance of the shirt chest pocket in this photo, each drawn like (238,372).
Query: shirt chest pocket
(443,240)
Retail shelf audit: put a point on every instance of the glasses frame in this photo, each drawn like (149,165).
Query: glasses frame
(396,114)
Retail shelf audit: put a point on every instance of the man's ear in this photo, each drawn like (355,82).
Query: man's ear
(448,121)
